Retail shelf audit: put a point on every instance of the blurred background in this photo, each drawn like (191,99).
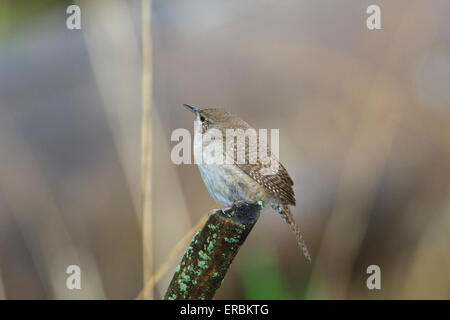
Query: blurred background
(364,119)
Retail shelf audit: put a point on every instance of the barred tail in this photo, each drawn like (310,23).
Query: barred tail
(285,212)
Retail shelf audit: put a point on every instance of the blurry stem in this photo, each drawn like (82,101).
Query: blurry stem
(146,147)
(171,257)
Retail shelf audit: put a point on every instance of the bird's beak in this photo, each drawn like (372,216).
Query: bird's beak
(191,108)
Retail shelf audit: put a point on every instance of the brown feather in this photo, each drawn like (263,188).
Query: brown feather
(285,212)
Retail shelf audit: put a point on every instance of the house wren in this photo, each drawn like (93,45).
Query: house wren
(232,181)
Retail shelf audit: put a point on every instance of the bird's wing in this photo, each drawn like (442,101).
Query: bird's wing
(278,182)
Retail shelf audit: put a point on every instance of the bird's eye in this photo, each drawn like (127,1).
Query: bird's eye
(202,118)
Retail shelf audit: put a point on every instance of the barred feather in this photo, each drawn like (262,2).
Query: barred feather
(285,212)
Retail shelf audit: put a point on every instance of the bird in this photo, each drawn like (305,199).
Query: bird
(230,181)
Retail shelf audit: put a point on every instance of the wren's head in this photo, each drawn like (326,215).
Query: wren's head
(216,118)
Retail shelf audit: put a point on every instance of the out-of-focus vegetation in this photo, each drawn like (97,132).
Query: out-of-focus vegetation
(20,14)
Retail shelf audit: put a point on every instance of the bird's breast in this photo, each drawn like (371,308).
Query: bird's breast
(227,183)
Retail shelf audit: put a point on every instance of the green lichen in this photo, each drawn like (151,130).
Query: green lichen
(203,264)
(185,277)
(172,297)
(211,246)
(203,255)
(211,243)
(231,240)
(189,251)
(212,227)
(183,286)
(216,274)
(192,270)
(178,269)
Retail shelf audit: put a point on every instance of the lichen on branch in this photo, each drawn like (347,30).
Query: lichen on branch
(211,252)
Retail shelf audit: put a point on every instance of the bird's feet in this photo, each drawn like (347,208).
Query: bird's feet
(229,211)
(221,211)
(238,203)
